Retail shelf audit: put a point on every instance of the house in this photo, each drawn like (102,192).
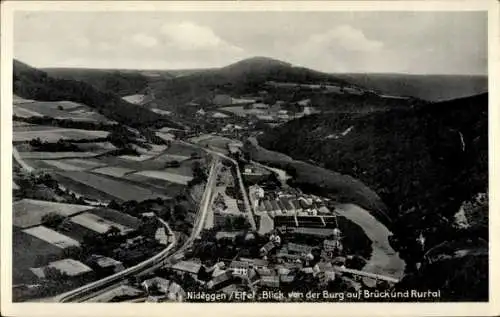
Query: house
(299,248)
(255,263)
(270,281)
(105,264)
(218,280)
(190,267)
(148,214)
(176,292)
(164,289)
(264,271)
(268,247)
(239,264)
(159,283)
(161,236)
(219,266)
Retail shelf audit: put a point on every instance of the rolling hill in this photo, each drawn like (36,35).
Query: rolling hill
(426,87)
(244,77)
(31,83)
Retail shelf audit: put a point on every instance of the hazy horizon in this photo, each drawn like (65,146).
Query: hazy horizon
(426,43)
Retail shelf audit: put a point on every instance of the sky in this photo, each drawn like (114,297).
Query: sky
(345,42)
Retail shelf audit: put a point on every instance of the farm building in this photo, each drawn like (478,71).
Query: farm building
(190,267)
(105,264)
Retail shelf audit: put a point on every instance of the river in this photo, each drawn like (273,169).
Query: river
(384,259)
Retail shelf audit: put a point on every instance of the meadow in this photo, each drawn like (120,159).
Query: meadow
(54,134)
(29,212)
(116,189)
(59,110)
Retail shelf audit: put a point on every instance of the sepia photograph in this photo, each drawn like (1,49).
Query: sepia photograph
(240,155)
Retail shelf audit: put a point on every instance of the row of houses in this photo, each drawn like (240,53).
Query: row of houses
(283,203)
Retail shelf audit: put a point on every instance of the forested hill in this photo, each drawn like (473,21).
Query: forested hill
(121,82)
(32,83)
(423,162)
(244,77)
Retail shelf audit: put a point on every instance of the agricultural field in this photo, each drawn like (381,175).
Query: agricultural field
(140,158)
(84,163)
(98,147)
(24,113)
(97,224)
(83,189)
(113,171)
(114,189)
(186,168)
(213,141)
(155,149)
(169,177)
(165,158)
(171,188)
(29,212)
(117,217)
(25,251)
(55,155)
(18,100)
(51,236)
(54,134)
(75,231)
(62,166)
(183,149)
(17,124)
(59,110)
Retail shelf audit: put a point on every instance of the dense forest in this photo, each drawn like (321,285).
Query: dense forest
(423,162)
(122,83)
(32,83)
